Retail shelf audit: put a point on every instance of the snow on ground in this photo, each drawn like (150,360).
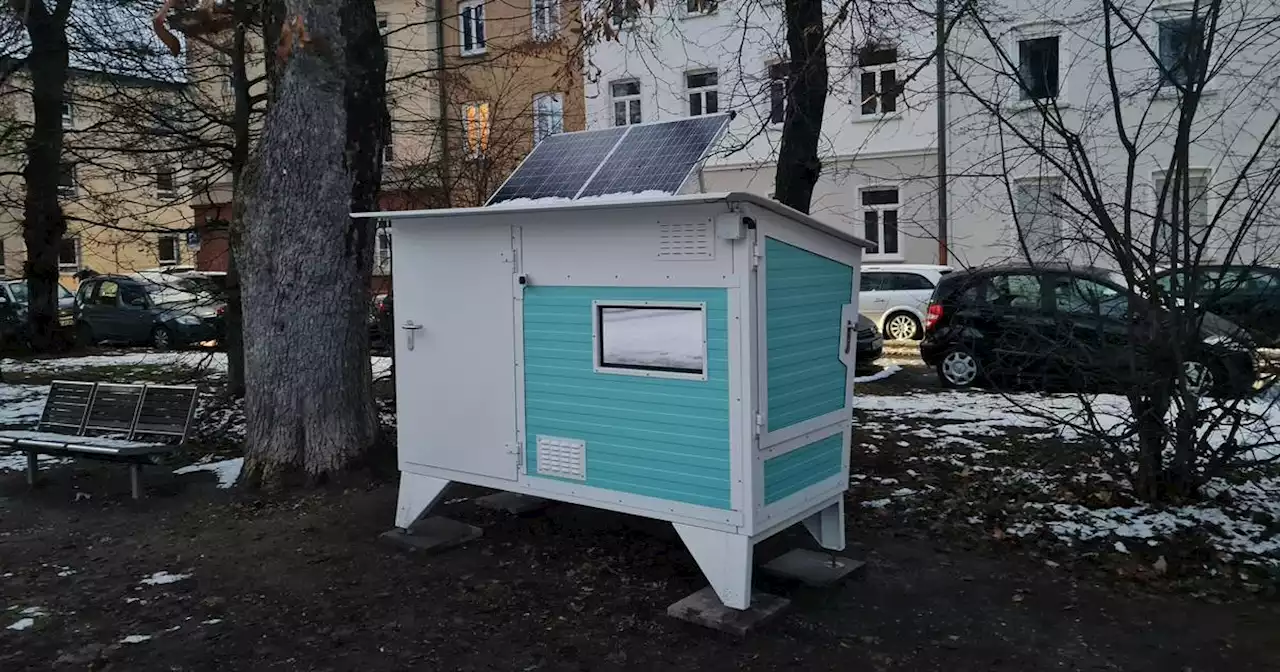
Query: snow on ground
(660,337)
(226,471)
(22,624)
(135,639)
(212,361)
(28,618)
(163,578)
(21,404)
(878,375)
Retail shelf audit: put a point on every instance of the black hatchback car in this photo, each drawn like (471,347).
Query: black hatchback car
(161,311)
(1059,324)
(1247,295)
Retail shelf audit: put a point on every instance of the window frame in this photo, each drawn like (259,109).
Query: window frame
(471,26)
(550,11)
(540,115)
(1167,15)
(68,111)
(896,207)
(627,100)
(1035,30)
(1158,177)
(69,190)
(699,8)
(597,340)
(1025,91)
(877,70)
(177,250)
(701,92)
(1059,247)
(161,192)
(79,254)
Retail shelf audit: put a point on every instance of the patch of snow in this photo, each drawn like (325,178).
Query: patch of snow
(34,611)
(876,503)
(212,361)
(902,492)
(212,621)
(162,578)
(1121,548)
(381,366)
(135,639)
(22,624)
(227,471)
(21,404)
(878,375)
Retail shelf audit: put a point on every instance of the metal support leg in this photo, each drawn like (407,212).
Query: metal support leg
(135,480)
(31,468)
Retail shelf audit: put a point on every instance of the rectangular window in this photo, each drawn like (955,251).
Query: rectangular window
(546,19)
(704,94)
(69,255)
(1037,216)
(1191,220)
(622,11)
(388,141)
(166,186)
(648,339)
(548,115)
(880,220)
(878,79)
(471,26)
(67,179)
(384,25)
(476,125)
(1179,46)
(168,251)
(626,102)
(695,7)
(1038,68)
(3,260)
(68,111)
(382,247)
(778,85)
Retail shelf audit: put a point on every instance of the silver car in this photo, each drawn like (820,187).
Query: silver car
(896,296)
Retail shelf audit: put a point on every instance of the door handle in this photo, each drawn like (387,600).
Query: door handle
(848,335)
(410,327)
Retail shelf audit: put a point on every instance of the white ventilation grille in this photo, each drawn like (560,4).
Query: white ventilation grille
(562,458)
(685,240)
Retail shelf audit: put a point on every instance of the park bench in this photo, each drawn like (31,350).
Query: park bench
(134,424)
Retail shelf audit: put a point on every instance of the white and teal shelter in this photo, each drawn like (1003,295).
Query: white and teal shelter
(686,358)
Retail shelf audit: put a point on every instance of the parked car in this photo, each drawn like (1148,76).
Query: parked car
(1057,324)
(381,330)
(895,297)
(870,345)
(165,313)
(1247,295)
(14,303)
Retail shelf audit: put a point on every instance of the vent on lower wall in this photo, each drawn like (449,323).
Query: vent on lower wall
(685,240)
(562,458)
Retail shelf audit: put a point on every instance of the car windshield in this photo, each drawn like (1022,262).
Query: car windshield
(19,291)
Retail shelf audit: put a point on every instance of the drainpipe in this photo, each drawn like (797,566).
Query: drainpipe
(940,58)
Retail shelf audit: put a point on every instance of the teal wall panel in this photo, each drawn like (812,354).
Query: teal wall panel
(791,472)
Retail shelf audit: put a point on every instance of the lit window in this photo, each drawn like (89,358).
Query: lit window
(546,19)
(880,219)
(168,251)
(626,102)
(778,82)
(1038,68)
(548,115)
(471,25)
(476,123)
(1179,47)
(661,340)
(69,254)
(704,94)
(1038,217)
(878,81)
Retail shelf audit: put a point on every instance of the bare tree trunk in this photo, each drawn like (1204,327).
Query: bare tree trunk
(234,317)
(43,222)
(798,163)
(306,266)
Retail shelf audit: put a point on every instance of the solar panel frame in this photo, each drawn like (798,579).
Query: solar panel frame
(641,153)
(542,173)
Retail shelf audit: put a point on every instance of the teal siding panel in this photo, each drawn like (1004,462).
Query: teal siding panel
(804,294)
(789,473)
(658,437)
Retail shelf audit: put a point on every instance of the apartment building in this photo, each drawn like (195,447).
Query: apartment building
(880,130)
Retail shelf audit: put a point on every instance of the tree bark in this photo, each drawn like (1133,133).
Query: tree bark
(798,164)
(306,265)
(44,225)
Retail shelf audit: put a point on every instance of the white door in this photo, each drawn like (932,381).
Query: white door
(455,347)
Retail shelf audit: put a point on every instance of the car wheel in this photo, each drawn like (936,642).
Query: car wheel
(959,369)
(902,327)
(84,335)
(161,339)
(1200,379)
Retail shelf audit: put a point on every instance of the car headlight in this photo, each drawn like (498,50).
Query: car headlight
(189,320)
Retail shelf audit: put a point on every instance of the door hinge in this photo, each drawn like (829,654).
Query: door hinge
(759,422)
(755,255)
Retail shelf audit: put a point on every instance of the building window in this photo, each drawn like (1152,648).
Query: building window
(68,111)
(626,102)
(880,219)
(1038,68)
(695,7)
(1179,49)
(622,11)
(704,95)
(166,187)
(69,255)
(476,125)
(471,20)
(878,81)
(168,251)
(1038,218)
(546,19)
(384,25)
(388,142)
(1192,219)
(67,179)
(778,85)
(548,115)
(665,340)
(3,260)
(382,247)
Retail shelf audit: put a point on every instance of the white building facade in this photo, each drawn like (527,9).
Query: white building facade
(1037,77)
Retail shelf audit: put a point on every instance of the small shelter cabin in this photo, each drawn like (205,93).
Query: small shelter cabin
(687,358)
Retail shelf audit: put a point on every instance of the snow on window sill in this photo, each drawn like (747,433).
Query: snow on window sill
(876,118)
(467,53)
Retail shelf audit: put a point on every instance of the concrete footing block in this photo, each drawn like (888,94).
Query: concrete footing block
(705,609)
(431,535)
(812,568)
(512,502)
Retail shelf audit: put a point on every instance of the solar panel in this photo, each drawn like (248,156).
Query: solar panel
(559,166)
(656,157)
